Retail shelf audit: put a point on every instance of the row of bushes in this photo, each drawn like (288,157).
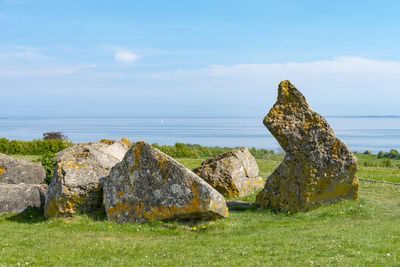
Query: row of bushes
(35,147)
(197,151)
(392,154)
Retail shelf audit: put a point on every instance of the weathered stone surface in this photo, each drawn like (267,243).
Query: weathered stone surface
(148,185)
(318,167)
(75,185)
(16,198)
(15,171)
(234,173)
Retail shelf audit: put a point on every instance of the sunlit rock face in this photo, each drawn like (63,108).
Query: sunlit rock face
(75,186)
(16,171)
(234,173)
(148,185)
(318,167)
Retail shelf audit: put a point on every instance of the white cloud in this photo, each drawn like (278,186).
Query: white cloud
(125,57)
(336,66)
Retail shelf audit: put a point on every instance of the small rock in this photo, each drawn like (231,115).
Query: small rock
(318,167)
(234,173)
(148,185)
(17,198)
(15,171)
(75,186)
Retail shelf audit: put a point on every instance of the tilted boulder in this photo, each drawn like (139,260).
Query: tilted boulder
(148,185)
(75,185)
(16,198)
(318,167)
(15,171)
(234,173)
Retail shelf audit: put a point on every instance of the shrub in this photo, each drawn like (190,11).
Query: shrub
(367,152)
(48,161)
(369,164)
(54,135)
(387,163)
(392,154)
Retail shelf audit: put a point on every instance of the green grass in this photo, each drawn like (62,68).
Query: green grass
(26,157)
(349,233)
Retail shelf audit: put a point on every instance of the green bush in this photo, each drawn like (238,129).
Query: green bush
(48,161)
(181,150)
(392,154)
(35,147)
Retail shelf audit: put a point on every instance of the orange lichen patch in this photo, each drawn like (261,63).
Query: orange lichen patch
(119,209)
(138,151)
(337,190)
(52,209)
(127,142)
(2,170)
(66,205)
(336,150)
(120,194)
(72,164)
(107,142)
(152,213)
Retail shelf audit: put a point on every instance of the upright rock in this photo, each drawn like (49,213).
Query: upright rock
(234,173)
(75,186)
(148,185)
(318,167)
(16,171)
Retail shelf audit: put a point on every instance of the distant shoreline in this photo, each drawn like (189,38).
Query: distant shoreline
(188,117)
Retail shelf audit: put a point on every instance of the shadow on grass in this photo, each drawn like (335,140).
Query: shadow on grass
(29,216)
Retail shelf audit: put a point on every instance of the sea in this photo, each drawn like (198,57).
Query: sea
(360,133)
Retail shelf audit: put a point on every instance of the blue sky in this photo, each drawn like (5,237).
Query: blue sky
(197,58)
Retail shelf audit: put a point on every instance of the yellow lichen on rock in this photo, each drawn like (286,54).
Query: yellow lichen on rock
(2,170)
(163,189)
(318,167)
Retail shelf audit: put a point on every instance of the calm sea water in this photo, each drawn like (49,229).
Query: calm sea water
(359,133)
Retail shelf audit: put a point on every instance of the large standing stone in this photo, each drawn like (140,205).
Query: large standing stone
(148,185)
(16,198)
(234,173)
(318,167)
(75,185)
(15,171)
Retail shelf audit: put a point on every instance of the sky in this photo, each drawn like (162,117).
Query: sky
(197,58)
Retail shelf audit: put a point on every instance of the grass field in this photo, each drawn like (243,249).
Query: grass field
(349,233)
(352,233)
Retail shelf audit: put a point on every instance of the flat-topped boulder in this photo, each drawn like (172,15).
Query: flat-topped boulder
(17,198)
(75,186)
(148,185)
(234,173)
(16,171)
(318,167)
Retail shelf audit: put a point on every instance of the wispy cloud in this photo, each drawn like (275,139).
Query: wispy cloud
(21,53)
(337,66)
(125,57)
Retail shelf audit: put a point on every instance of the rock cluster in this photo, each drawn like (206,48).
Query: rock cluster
(75,186)
(318,167)
(22,185)
(234,173)
(148,185)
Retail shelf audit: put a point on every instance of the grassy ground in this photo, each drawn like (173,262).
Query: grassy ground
(349,233)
